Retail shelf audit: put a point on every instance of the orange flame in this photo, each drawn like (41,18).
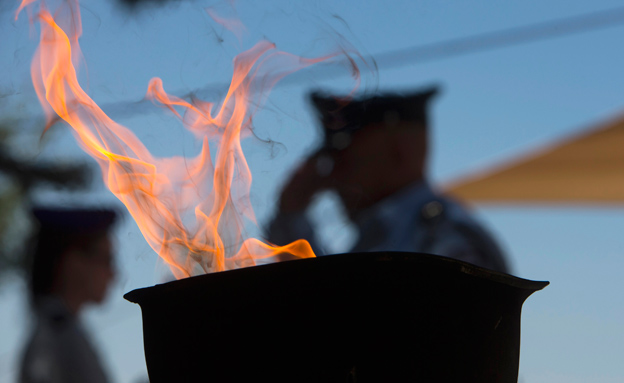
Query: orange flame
(233,25)
(23,5)
(191,212)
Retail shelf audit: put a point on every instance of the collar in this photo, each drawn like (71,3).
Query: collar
(395,211)
(395,206)
(53,307)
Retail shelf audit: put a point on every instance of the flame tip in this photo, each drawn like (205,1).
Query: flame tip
(192,212)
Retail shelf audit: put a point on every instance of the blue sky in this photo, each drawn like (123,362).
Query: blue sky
(495,105)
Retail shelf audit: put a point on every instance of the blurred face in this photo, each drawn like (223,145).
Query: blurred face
(363,164)
(92,270)
(102,266)
(377,163)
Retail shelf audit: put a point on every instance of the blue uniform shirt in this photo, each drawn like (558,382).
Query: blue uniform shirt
(416,219)
(58,350)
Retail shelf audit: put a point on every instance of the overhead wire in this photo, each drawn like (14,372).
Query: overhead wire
(417,54)
(502,38)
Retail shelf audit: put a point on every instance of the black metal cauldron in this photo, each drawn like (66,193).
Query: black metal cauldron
(368,317)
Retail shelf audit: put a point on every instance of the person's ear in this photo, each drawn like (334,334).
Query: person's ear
(406,144)
(72,256)
(411,147)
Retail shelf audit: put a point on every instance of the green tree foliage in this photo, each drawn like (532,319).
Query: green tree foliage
(20,177)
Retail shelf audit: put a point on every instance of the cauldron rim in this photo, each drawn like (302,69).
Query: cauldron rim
(384,316)
(451,265)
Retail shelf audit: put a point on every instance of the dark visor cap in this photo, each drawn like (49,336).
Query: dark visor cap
(74,221)
(341,116)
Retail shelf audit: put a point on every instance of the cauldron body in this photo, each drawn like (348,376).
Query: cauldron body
(368,317)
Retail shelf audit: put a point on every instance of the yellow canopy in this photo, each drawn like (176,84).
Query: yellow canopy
(586,169)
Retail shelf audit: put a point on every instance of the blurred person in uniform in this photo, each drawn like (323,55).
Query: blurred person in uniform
(374,156)
(71,266)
